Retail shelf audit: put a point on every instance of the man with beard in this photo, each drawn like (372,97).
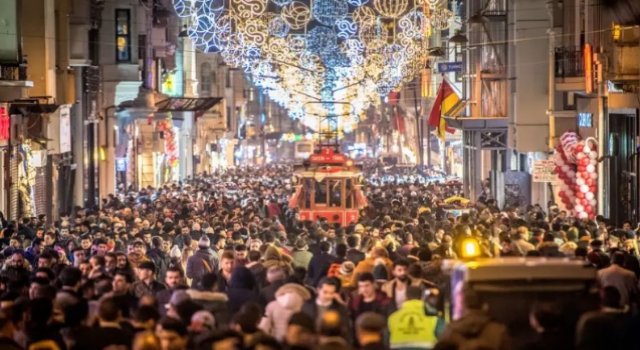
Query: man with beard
(174,279)
(396,289)
(16,268)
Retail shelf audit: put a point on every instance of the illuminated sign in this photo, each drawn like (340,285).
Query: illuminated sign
(327,156)
(5,123)
(588,68)
(585,120)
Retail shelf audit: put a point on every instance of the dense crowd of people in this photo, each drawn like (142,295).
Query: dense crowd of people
(221,262)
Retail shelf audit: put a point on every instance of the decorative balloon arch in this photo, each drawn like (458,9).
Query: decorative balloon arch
(576,165)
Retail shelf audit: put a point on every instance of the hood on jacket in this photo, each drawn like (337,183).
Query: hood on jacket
(241,278)
(292,296)
(472,324)
(207,252)
(272,253)
(207,296)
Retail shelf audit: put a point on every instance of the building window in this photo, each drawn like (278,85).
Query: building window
(228,78)
(123,36)
(205,75)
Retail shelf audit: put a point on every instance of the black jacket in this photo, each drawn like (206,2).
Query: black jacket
(311,309)
(241,289)
(318,267)
(161,260)
(355,256)
(214,302)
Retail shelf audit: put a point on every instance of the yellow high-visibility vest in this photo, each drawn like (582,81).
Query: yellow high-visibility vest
(411,328)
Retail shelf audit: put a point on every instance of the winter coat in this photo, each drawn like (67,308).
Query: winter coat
(161,260)
(389,289)
(196,264)
(318,267)
(274,257)
(268,293)
(259,274)
(241,289)
(476,330)
(311,309)
(355,256)
(550,250)
(381,305)
(367,265)
(289,300)
(301,258)
(214,302)
(135,259)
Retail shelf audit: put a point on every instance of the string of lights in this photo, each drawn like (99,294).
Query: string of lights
(345,54)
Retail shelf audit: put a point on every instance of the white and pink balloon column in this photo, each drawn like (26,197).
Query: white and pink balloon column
(576,166)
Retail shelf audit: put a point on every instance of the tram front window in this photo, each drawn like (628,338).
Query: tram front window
(321,192)
(335,188)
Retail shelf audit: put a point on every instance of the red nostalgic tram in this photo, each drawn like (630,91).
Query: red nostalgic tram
(328,185)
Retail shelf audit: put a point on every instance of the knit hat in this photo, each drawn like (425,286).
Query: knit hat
(347,268)
(380,272)
(204,242)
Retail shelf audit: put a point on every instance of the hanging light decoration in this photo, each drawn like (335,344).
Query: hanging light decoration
(319,58)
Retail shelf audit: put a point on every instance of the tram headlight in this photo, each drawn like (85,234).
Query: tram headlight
(349,163)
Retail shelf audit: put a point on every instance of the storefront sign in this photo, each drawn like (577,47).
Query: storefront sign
(588,68)
(65,128)
(446,67)
(543,171)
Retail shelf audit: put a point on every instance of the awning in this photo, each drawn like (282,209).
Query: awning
(187,104)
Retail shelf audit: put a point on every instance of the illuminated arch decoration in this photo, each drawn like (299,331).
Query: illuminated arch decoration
(313,56)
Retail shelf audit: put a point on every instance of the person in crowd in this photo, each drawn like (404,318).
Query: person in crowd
(203,261)
(623,280)
(202,264)
(147,283)
(475,326)
(288,301)
(607,328)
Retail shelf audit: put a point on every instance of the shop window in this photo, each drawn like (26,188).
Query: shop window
(123,36)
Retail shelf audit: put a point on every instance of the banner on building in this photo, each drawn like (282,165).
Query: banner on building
(543,171)
(65,128)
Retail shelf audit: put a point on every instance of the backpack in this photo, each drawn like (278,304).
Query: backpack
(334,270)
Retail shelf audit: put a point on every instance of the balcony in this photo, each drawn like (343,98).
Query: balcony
(14,75)
(569,69)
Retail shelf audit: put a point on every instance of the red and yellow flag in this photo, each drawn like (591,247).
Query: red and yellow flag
(446,99)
